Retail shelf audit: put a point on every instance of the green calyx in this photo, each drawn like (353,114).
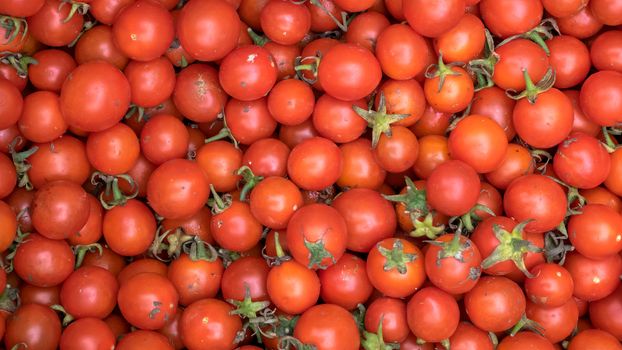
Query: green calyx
(12,27)
(525,323)
(484,68)
(250,181)
(81,250)
(441,71)
(451,249)
(425,227)
(317,254)
(375,341)
(414,200)
(544,31)
(532,90)
(21,164)
(112,189)
(396,258)
(512,247)
(379,121)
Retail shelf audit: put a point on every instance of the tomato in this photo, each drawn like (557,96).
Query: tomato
(248,73)
(349,72)
(8,226)
(607,12)
(464,42)
(593,279)
(172,332)
(195,279)
(41,119)
(284,58)
(106,11)
(396,267)
(235,228)
(43,262)
(220,330)
(140,173)
(285,22)
(582,161)
(601,195)
(508,17)
(479,142)
(11,138)
(327,327)
(402,97)
(538,198)
(142,265)
(336,120)
(525,340)
(365,28)
(152,82)
(310,53)
(267,157)
(563,8)
(163,138)
(613,180)
(113,151)
(34,326)
(12,104)
(360,167)
(246,272)
(605,51)
(148,301)
(453,188)
(48,296)
(21,8)
(291,101)
(177,189)
(98,44)
(517,56)
(495,303)
(95,96)
(433,315)
(198,17)
(581,25)
(492,102)
(580,122)
(129,229)
(60,208)
(87,334)
(469,337)
(346,283)
(449,90)
(63,159)
(452,263)
(140,339)
(517,162)
(315,164)
(316,236)
(594,339)
(249,121)
(293,135)
(558,322)
(89,291)
(433,150)
(354,5)
(51,27)
(108,260)
(433,19)
(392,313)
(274,200)
(570,59)
(606,88)
(52,69)
(603,311)
(9,176)
(551,286)
(198,94)
(219,160)
(292,287)
(595,232)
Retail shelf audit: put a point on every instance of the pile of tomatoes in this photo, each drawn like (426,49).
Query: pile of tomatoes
(311,175)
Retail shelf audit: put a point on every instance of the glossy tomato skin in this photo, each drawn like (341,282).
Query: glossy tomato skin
(336,120)
(453,188)
(95,96)
(315,164)
(249,121)
(507,298)
(517,162)
(535,197)
(582,161)
(551,286)
(147,339)
(570,59)
(478,141)
(291,101)
(346,283)
(516,56)
(152,82)
(284,22)
(219,160)
(581,25)
(613,182)
(507,17)
(98,44)
(594,339)
(607,12)
(433,19)
(214,16)
(558,322)
(453,274)
(360,167)
(274,200)
(139,266)
(219,332)
(469,337)
(41,119)
(177,189)
(605,51)
(433,315)
(525,340)
(198,94)
(603,311)
(391,282)
(12,108)
(328,327)
(148,300)
(292,287)
(606,88)
(321,225)
(87,334)
(596,231)
(349,72)
(464,42)
(43,262)
(235,228)
(50,27)
(90,291)
(411,47)
(195,279)
(248,73)
(593,279)
(33,325)
(164,137)
(21,8)
(364,29)
(65,160)
(267,157)
(129,229)
(248,271)
(392,312)
(113,151)
(398,152)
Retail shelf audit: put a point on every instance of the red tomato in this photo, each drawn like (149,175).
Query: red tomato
(129,229)
(505,18)
(285,22)
(51,27)
(478,141)
(139,339)
(392,313)
(523,340)
(433,315)
(195,278)
(33,326)
(601,97)
(360,167)
(292,287)
(570,59)
(607,11)
(582,161)
(163,138)
(433,19)
(328,327)
(12,105)
(606,51)
(593,279)
(89,291)
(198,94)
(53,67)
(235,228)
(365,28)
(551,286)
(249,121)
(492,102)
(274,200)
(220,160)
(495,304)
(594,339)
(603,313)
(464,42)
(148,301)
(336,120)
(346,283)
(43,262)
(248,73)
(315,164)
(291,102)
(60,208)
(152,82)
(452,263)
(88,334)
(517,56)
(267,157)
(98,44)
(453,188)
(581,25)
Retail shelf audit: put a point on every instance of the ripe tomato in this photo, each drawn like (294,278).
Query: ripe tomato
(336,120)
(148,301)
(607,12)
(152,82)
(613,182)
(349,72)
(51,27)
(433,315)
(328,327)
(235,228)
(570,59)
(452,263)
(433,150)
(538,198)
(220,160)
(392,313)
(596,231)
(478,141)
(453,188)
(12,104)
(402,52)
(89,291)
(59,209)
(143,339)
(215,16)
(354,5)
(285,22)
(365,28)
(195,279)
(21,8)
(42,120)
(315,164)
(163,138)
(98,44)
(581,25)
(291,102)
(63,159)
(219,332)
(88,334)
(95,96)
(492,102)
(517,56)
(605,51)
(177,189)
(495,303)
(517,162)
(433,19)
(248,73)
(360,167)
(551,286)
(129,229)
(267,157)
(601,195)
(142,265)
(601,97)
(582,161)
(321,21)
(593,279)
(292,287)
(8,226)
(274,200)
(594,339)
(9,176)
(316,236)
(198,94)
(523,340)
(603,313)
(43,262)
(505,18)
(246,272)
(449,89)
(346,283)
(563,8)
(557,322)
(108,260)
(113,151)
(249,121)
(464,42)
(467,337)
(396,267)
(33,326)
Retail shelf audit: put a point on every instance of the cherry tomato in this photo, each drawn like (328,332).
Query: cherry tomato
(479,142)
(508,17)
(328,327)
(33,326)
(594,339)
(52,26)
(433,19)
(43,262)
(148,301)
(453,188)
(291,102)
(274,200)
(593,279)
(221,330)
(315,164)
(139,339)
(392,313)
(523,339)
(551,286)
(396,267)
(360,167)
(570,59)
(249,121)
(195,279)
(495,303)
(285,22)
(235,228)
(87,334)
(248,73)
(292,287)
(453,263)
(12,105)
(89,291)
(558,322)
(605,51)
(601,97)
(198,94)
(336,120)
(129,229)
